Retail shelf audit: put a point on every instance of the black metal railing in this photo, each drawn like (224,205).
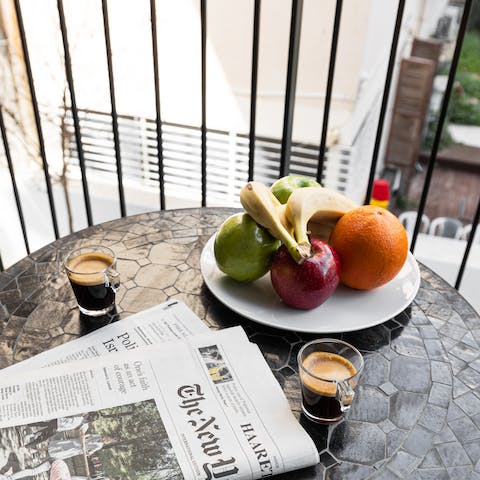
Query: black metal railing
(36,113)
(14,182)
(158,118)
(328,93)
(253,89)
(386,94)
(114,115)
(287,145)
(76,122)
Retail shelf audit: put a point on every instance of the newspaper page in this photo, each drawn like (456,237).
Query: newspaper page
(166,322)
(203,408)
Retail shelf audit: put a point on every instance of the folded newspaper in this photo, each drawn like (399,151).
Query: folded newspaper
(171,400)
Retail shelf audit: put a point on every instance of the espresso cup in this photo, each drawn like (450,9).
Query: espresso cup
(329,370)
(94,280)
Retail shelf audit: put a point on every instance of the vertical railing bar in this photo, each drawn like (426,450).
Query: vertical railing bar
(36,113)
(441,119)
(203,20)
(386,94)
(293,50)
(328,94)
(14,182)
(114,115)
(253,88)
(158,119)
(475,221)
(73,102)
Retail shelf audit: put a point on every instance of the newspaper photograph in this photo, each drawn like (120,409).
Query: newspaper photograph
(91,445)
(166,322)
(202,408)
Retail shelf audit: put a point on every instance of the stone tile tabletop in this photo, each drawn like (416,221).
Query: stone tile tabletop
(417,411)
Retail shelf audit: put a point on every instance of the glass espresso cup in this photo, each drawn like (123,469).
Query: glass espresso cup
(94,280)
(329,371)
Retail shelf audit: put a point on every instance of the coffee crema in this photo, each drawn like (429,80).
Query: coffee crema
(87,268)
(324,369)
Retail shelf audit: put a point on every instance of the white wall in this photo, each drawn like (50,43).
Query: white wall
(229,59)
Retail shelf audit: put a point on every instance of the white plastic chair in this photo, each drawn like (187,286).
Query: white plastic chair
(445,227)
(408,219)
(464,233)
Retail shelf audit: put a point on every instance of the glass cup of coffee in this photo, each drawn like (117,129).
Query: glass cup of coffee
(94,280)
(329,371)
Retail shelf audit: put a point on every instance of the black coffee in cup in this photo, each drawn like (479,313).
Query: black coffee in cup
(319,388)
(89,277)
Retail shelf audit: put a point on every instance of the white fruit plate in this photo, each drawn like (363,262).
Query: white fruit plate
(345,311)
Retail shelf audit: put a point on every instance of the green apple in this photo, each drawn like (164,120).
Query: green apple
(243,249)
(284,186)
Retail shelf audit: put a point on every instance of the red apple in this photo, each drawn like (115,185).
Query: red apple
(309,284)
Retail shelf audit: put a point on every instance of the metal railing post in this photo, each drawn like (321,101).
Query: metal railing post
(441,120)
(203,20)
(116,137)
(293,50)
(328,94)
(14,182)
(36,113)
(73,102)
(158,119)
(386,94)
(461,271)
(253,89)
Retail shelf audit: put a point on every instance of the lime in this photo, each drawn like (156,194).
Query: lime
(243,249)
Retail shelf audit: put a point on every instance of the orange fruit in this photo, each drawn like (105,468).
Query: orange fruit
(372,245)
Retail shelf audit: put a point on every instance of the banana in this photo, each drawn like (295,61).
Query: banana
(319,205)
(260,203)
(282,215)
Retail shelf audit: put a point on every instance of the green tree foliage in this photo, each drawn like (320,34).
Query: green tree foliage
(445,139)
(140,448)
(470,83)
(464,106)
(469,58)
(465,110)
(474,21)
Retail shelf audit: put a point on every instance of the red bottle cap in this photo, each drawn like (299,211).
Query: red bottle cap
(381,189)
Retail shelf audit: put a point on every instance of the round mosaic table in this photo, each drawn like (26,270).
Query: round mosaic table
(417,411)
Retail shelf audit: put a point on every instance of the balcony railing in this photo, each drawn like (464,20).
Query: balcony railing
(177,156)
